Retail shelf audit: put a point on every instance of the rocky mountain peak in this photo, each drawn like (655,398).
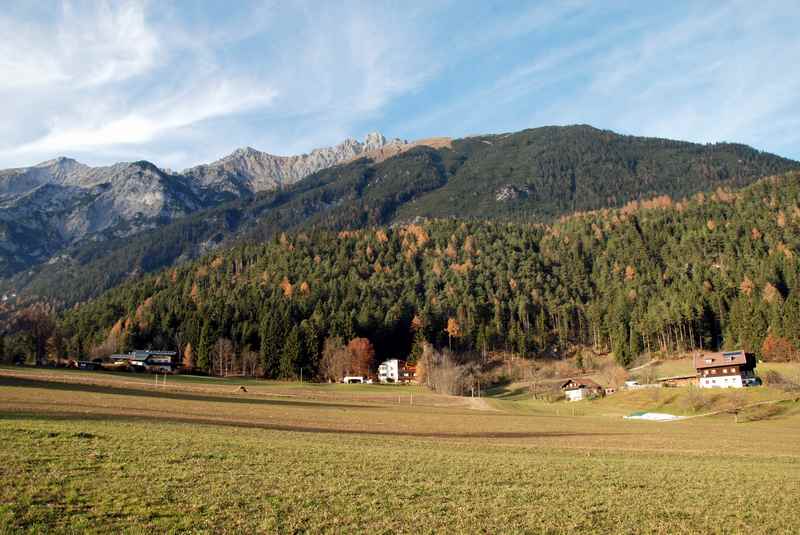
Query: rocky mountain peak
(244,152)
(61,161)
(249,170)
(376,140)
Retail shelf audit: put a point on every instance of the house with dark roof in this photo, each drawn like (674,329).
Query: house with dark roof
(583,388)
(728,369)
(147,360)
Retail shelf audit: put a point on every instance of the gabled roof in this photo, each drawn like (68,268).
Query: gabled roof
(581,383)
(142,355)
(725,358)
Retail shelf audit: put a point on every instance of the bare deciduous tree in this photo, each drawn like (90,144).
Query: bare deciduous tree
(335,359)
(222,357)
(250,361)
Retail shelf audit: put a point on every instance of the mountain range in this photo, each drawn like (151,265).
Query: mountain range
(62,202)
(69,231)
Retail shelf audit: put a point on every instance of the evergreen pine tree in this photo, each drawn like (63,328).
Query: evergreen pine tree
(292,353)
(204,348)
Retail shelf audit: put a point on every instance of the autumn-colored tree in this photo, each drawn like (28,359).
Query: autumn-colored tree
(453,330)
(778,349)
(287,287)
(746,286)
(188,356)
(362,354)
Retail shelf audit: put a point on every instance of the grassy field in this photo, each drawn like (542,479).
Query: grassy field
(99,452)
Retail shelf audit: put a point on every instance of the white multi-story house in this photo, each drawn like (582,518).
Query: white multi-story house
(389,371)
(730,369)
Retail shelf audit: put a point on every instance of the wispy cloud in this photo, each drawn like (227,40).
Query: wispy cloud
(106,79)
(142,125)
(112,45)
(701,72)
(183,84)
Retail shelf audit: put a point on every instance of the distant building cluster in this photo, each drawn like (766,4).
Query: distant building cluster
(389,371)
(727,369)
(147,360)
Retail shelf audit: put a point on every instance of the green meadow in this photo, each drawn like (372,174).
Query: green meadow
(101,453)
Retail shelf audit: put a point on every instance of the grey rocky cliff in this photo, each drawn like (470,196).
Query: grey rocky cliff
(50,206)
(253,171)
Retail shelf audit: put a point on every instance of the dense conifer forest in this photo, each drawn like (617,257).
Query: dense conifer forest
(714,270)
(534,175)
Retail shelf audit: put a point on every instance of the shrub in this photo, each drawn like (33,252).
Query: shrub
(761,412)
(776,380)
(696,399)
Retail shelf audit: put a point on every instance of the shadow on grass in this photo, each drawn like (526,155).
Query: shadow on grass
(503,390)
(83,417)
(185,396)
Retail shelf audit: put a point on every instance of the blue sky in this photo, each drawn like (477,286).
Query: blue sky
(186,83)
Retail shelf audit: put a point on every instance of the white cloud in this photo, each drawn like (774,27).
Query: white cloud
(111,43)
(109,79)
(214,99)
(184,85)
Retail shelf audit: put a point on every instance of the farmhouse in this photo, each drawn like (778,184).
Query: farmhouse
(147,360)
(729,369)
(578,389)
(408,373)
(396,371)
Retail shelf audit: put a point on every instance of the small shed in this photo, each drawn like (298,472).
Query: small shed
(583,388)
(678,380)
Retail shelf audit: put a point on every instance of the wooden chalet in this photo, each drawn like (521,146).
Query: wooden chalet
(583,388)
(728,369)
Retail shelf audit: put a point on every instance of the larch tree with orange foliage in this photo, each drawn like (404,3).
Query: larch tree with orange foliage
(453,330)
(362,353)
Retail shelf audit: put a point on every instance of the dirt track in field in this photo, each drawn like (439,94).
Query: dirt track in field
(98,414)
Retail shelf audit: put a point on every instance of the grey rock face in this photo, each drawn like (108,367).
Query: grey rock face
(248,170)
(52,205)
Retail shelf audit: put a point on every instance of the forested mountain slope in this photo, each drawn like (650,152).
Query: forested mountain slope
(533,176)
(715,270)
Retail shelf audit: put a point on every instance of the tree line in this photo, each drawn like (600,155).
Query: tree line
(716,270)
